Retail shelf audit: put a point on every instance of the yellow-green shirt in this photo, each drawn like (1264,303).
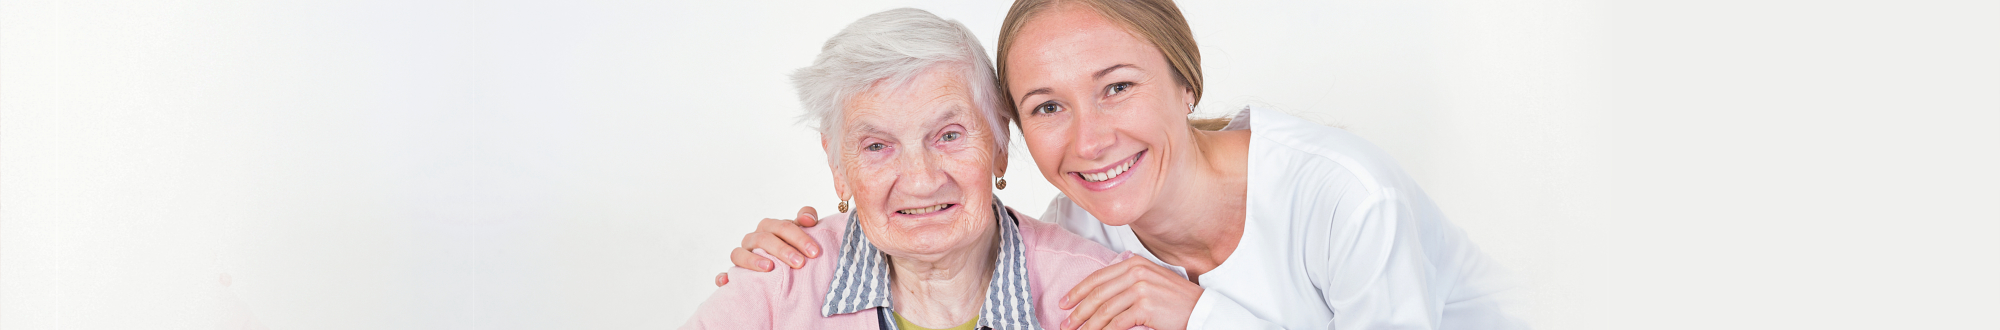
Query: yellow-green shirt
(906,325)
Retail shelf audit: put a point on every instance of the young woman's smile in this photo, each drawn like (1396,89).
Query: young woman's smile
(1109,176)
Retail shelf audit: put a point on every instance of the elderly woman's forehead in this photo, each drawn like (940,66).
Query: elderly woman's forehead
(937,81)
(930,92)
(921,111)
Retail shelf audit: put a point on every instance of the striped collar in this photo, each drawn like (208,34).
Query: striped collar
(861,280)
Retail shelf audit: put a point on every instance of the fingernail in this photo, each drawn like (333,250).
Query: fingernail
(797,260)
(1064,302)
(1065,324)
(812,251)
(764,265)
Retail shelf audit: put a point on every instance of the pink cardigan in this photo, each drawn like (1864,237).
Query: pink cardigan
(791,298)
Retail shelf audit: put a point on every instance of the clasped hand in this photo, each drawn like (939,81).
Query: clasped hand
(1134,292)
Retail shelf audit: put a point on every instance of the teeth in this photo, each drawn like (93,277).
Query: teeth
(1107,175)
(916,211)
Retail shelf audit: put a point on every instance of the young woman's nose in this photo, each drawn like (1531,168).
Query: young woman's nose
(1092,135)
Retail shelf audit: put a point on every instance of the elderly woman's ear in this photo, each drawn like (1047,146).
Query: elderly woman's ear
(1000,162)
(833,165)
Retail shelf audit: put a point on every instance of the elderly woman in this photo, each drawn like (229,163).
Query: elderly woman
(906,106)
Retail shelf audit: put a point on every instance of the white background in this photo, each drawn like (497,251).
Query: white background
(588,164)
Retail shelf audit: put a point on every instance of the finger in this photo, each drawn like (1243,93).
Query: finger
(749,260)
(1158,298)
(1113,308)
(1131,317)
(1165,281)
(721,279)
(794,235)
(1095,303)
(1095,279)
(808,216)
(776,247)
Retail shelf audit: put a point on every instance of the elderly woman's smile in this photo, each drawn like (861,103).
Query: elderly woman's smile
(926,210)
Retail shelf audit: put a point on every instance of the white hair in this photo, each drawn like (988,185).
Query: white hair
(895,46)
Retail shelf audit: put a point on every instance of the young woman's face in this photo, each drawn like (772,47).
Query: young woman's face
(1101,111)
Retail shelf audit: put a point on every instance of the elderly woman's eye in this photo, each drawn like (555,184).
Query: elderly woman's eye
(949,136)
(875,146)
(1114,89)
(1046,108)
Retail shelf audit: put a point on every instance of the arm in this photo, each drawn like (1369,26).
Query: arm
(1137,291)
(1372,269)
(779,237)
(1368,264)
(1369,267)
(1217,311)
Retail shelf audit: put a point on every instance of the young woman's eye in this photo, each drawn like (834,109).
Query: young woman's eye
(1046,108)
(875,146)
(1114,89)
(949,136)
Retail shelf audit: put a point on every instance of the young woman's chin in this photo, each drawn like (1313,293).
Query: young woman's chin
(1115,207)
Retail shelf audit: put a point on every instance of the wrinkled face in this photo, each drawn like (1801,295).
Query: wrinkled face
(1100,109)
(918,160)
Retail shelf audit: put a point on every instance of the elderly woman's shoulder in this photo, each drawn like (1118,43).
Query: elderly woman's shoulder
(1048,240)
(783,298)
(831,226)
(804,280)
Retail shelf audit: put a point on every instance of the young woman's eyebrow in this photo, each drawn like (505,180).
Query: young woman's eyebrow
(1037,91)
(1100,73)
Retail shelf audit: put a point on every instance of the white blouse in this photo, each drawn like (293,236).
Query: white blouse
(1336,237)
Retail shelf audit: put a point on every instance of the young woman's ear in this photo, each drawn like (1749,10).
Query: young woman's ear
(1187,97)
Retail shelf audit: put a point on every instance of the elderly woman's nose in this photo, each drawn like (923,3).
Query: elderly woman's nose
(920,173)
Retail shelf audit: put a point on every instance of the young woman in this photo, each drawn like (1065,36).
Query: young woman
(1271,222)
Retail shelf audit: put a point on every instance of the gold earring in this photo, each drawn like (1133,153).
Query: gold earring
(1000,184)
(843,206)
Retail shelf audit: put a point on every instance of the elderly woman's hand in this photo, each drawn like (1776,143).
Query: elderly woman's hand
(1131,293)
(785,239)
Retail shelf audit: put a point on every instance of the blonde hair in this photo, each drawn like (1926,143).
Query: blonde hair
(1157,21)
